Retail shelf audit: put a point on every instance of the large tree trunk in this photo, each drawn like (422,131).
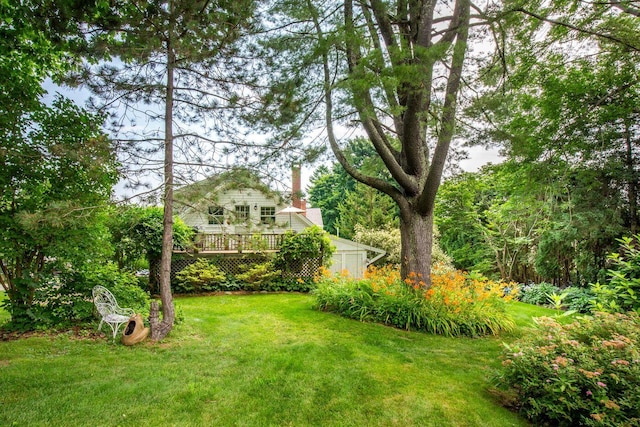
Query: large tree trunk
(408,30)
(160,329)
(416,234)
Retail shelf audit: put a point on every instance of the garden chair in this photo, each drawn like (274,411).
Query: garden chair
(110,312)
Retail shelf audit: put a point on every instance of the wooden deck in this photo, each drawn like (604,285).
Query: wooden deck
(234,243)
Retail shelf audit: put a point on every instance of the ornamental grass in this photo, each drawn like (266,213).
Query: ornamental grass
(456,303)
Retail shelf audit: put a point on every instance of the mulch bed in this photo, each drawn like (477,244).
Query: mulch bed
(75,332)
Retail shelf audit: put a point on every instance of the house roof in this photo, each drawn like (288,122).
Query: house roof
(236,178)
(315,216)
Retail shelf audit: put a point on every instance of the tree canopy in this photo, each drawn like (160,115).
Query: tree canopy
(57,167)
(561,101)
(394,70)
(176,58)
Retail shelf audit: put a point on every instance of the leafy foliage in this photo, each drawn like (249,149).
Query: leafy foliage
(462,201)
(137,232)
(519,223)
(345,203)
(326,191)
(201,276)
(365,207)
(58,169)
(579,299)
(456,304)
(622,291)
(388,239)
(572,298)
(584,373)
(124,285)
(566,117)
(205,276)
(65,299)
(260,274)
(312,242)
(538,293)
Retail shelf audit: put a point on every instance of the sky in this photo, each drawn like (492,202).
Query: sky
(478,156)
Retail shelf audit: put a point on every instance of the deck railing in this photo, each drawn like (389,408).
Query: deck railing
(230,243)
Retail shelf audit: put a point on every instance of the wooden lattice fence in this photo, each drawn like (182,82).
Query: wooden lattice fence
(234,264)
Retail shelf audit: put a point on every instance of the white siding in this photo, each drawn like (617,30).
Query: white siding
(198,216)
(351,256)
(354,262)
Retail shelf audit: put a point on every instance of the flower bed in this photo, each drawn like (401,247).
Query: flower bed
(583,373)
(455,304)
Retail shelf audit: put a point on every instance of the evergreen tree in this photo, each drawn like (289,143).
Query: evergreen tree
(172,60)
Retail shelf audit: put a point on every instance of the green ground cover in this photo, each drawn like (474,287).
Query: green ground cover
(257,360)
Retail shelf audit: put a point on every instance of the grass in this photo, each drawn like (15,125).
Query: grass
(256,360)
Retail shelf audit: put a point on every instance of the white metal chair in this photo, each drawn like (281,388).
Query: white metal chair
(110,312)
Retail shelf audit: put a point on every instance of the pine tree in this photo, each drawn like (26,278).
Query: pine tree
(170,62)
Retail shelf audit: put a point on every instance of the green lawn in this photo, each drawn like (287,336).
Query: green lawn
(256,360)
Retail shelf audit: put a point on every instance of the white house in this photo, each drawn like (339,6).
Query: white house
(230,209)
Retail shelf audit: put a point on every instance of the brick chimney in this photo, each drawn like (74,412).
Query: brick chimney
(296,188)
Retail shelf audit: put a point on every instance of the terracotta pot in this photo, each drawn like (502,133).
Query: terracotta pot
(135,331)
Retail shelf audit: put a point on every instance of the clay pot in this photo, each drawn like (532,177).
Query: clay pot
(135,331)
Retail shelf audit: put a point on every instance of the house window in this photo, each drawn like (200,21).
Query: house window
(242,213)
(268,214)
(216,215)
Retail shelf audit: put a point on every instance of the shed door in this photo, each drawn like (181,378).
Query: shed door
(354,262)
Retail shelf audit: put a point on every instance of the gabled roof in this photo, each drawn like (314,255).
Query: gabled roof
(315,216)
(234,179)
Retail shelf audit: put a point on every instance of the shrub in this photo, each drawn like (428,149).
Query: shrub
(201,276)
(538,293)
(572,298)
(65,299)
(386,239)
(259,275)
(456,304)
(584,373)
(124,285)
(296,285)
(579,299)
(622,292)
(136,232)
(313,242)
(389,240)
(204,276)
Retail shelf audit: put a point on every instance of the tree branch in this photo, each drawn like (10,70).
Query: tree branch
(366,110)
(377,183)
(576,28)
(427,198)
